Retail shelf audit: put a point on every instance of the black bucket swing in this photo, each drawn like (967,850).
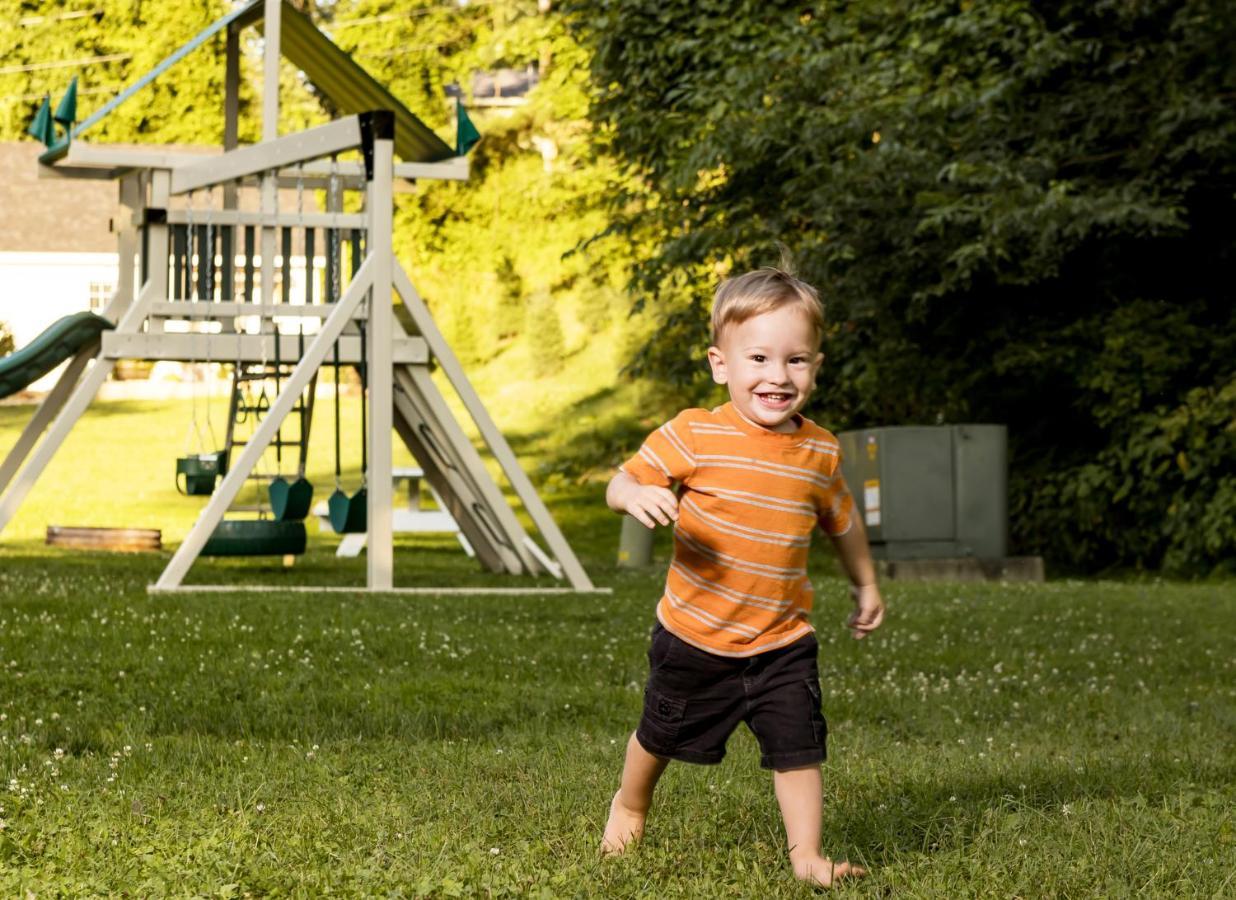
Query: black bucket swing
(197,473)
(290,501)
(350,515)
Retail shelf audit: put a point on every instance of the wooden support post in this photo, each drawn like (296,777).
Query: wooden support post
(381,400)
(231,106)
(272,28)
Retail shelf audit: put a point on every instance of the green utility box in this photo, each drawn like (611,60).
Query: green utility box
(930,492)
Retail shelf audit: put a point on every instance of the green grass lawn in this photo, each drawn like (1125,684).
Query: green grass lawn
(1074,739)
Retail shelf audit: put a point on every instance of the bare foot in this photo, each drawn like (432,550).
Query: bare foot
(623,827)
(823,872)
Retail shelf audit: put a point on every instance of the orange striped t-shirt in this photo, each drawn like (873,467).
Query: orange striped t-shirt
(749,500)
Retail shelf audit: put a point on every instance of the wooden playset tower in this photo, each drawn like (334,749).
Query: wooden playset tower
(214,284)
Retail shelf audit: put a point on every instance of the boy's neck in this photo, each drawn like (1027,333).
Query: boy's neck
(789,426)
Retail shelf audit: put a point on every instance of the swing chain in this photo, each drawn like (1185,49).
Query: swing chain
(334,201)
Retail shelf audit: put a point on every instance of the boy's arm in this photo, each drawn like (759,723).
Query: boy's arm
(648,503)
(855,558)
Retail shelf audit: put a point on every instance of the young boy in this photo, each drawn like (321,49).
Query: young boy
(733,642)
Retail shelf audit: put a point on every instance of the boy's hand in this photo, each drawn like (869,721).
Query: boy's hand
(868,610)
(651,505)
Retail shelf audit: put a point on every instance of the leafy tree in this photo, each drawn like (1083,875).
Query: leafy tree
(7,344)
(1017,212)
(543,333)
(119,41)
(508,316)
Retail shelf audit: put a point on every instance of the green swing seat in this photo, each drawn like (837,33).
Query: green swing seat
(349,515)
(256,537)
(290,500)
(200,470)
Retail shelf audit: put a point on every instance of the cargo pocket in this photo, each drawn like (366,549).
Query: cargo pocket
(662,719)
(819,727)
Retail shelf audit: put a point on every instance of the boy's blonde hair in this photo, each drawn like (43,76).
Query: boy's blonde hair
(764,290)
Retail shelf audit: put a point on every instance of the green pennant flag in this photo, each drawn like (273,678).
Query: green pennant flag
(42,128)
(66,112)
(466,134)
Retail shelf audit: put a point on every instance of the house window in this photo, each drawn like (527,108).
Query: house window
(100,293)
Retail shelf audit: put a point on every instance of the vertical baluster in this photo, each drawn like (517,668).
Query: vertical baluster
(203,264)
(311,274)
(179,253)
(332,251)
(250,249)
(227,238)
(286,268)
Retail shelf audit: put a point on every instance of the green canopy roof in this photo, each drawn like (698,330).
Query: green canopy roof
(333,72)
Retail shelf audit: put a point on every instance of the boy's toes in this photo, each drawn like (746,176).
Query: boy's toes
(844,870)
(823,872)
(620,830)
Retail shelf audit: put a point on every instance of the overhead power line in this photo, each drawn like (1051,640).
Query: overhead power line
(28,21)
(65,64)
(39,95)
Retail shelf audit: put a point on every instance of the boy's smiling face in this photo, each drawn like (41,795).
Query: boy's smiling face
(768,363)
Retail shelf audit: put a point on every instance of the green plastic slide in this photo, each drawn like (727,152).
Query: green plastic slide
(62,339)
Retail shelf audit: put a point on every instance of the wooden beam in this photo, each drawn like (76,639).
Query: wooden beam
(268,156)
(251,348)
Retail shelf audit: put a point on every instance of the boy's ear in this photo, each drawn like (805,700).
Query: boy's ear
(716,361)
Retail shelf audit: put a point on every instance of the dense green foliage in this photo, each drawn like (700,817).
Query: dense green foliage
(110,44)
(1017,212)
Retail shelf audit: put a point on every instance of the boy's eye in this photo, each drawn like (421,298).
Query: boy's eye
(757,357)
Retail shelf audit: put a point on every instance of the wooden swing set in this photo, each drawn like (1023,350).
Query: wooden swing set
(197,287)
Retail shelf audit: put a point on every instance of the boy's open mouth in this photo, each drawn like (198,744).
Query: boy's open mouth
(774,399)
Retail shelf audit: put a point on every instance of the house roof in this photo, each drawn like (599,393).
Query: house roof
(52,215)
(350,88)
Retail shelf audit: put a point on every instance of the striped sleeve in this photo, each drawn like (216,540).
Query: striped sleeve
(836,515)
(666,456)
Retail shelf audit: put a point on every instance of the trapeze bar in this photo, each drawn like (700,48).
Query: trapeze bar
(343,134)
(226,348)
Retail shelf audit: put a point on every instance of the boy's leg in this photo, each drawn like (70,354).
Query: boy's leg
(640,773)
(800,796)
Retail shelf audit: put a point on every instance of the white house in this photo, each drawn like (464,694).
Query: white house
(57,252)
